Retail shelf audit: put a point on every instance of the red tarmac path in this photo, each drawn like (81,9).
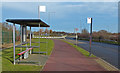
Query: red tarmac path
(66,58)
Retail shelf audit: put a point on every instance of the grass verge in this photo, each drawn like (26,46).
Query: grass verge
(7,57)
(84,52)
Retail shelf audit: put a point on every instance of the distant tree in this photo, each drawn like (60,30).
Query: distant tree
(46,30)
(95,35)
(84,31)
(103,34)
(51,31)
(41,31)
(84,34)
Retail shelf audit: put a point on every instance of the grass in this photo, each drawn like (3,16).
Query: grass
(84,52)
(7,57)
(50,45)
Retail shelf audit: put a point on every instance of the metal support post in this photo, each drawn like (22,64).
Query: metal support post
(30,38)
(21,35)
(14,42)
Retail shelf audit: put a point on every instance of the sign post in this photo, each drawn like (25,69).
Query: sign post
(40,9)
(89,21)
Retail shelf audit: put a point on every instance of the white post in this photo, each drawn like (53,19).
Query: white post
(14,42)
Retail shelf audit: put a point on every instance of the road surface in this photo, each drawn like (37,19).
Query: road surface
(108,52)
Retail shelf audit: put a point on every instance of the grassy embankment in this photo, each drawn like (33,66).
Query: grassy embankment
(7,57)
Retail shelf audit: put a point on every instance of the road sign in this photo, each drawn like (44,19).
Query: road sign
(42,8)
(89,20)
(76,29)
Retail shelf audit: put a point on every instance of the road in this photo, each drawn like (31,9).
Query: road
(108,52)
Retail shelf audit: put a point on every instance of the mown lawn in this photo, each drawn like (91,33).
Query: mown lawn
(7,56)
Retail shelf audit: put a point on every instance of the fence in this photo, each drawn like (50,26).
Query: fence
(7,33)
(7,37)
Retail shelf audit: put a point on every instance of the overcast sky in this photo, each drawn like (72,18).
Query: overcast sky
(67,15)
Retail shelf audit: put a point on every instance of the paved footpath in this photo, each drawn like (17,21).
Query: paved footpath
(66,58)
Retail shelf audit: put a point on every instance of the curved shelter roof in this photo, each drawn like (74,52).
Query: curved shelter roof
(29,22)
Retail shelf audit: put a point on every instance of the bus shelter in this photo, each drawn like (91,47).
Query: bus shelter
(23,26)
